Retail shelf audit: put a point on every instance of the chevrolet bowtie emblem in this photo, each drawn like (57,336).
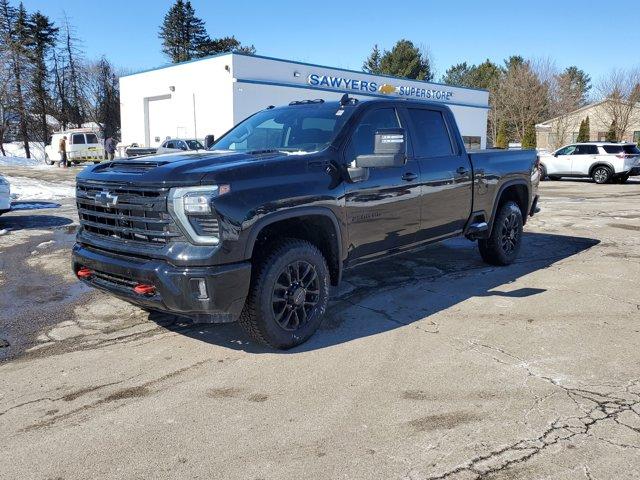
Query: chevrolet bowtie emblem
(105,198)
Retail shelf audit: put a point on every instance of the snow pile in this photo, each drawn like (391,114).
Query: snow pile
(16,149)
(32,189)
(20,162)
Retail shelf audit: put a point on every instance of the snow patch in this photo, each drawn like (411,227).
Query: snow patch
(31,189)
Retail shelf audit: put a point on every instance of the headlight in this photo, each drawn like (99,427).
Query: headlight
(192,209)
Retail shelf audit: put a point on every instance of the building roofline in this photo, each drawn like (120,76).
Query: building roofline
(295,62)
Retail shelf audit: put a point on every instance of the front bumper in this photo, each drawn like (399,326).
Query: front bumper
(177,289)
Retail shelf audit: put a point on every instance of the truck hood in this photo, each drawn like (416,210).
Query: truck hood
(175,169)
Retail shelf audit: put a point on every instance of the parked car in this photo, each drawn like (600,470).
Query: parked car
(258,228)
(602,161)
(83,145)
(5,195)
(176,145)
(135,150)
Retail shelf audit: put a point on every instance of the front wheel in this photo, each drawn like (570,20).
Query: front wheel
(288,295)
(503,245)
(601,174)
(543,172)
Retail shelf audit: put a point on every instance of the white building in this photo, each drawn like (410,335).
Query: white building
(211,95)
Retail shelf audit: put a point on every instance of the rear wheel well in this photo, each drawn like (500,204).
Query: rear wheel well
(596,165)
(519,194)
(316,229)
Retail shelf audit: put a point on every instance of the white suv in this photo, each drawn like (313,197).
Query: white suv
(602,161)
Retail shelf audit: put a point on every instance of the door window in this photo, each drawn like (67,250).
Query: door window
(586,150)
(432,136)
(170,145)
(566,150)
(363,138)
(77,138)
(91,138)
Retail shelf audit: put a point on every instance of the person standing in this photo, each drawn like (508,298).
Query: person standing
(62,149)
(110,148)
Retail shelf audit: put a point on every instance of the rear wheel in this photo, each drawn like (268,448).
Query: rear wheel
(543,172)
(288,295)
(47,160)
(601,174)
(503,245)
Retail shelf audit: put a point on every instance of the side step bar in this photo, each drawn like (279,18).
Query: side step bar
(476,229)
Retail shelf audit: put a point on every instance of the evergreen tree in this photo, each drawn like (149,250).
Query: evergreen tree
(502,140)
(578,82)
(372,63)
(458,75)
(184,36)
(529,138)
(611,133)
(15,45)
(406,60)
(583,132)
(43,38)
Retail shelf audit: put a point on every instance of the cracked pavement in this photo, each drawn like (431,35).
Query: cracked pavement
(429,365)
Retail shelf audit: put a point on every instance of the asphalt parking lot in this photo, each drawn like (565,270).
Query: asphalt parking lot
(429,365)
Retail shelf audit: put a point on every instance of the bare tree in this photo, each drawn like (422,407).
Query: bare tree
(564,98)
(522,97)
(620,91)
(102,95)
(5,98)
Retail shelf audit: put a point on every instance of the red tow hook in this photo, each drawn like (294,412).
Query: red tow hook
(142,289)
(84,272)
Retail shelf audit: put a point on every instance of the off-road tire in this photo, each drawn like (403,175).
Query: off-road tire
(504,242)
(259,316)
(601,174)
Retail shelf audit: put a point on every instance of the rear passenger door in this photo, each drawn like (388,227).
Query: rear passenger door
(582,159)
(446,174)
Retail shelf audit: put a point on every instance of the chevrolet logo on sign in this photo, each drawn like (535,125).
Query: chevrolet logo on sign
(106,199)
(386,88)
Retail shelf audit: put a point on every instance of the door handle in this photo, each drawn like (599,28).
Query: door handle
(409,177)
(462,171)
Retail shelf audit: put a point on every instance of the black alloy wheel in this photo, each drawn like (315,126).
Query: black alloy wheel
(296,294)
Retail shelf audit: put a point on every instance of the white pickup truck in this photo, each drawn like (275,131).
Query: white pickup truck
(5,195)
(83,145)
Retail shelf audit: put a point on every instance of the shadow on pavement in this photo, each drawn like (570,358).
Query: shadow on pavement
(28,220)
(403,289)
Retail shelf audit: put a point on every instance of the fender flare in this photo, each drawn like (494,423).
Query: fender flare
(496,199)
(294,212)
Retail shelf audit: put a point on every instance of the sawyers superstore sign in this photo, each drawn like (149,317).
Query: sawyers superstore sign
(365,86)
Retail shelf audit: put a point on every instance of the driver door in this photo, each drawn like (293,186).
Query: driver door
(383,204)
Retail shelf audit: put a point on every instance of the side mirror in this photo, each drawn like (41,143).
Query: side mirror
(389,150)
(208,141)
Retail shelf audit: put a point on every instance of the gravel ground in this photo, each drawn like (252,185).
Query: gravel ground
(430,365)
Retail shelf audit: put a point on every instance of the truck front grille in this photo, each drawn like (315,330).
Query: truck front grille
(127,213)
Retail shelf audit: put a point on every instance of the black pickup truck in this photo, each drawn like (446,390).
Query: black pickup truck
(257,228)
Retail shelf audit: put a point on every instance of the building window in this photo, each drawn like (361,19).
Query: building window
(471,143)
(636,137)
(602,136)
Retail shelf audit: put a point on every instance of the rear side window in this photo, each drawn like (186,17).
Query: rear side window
(77,138)
(612,148)
(631,149)
(586,150)
(92,138)
(432,136)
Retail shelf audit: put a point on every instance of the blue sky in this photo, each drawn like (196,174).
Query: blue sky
(341,33)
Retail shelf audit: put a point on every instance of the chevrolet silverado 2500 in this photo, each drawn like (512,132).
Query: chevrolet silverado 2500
(257,228)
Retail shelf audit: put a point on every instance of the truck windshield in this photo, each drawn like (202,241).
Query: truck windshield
(296,128)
